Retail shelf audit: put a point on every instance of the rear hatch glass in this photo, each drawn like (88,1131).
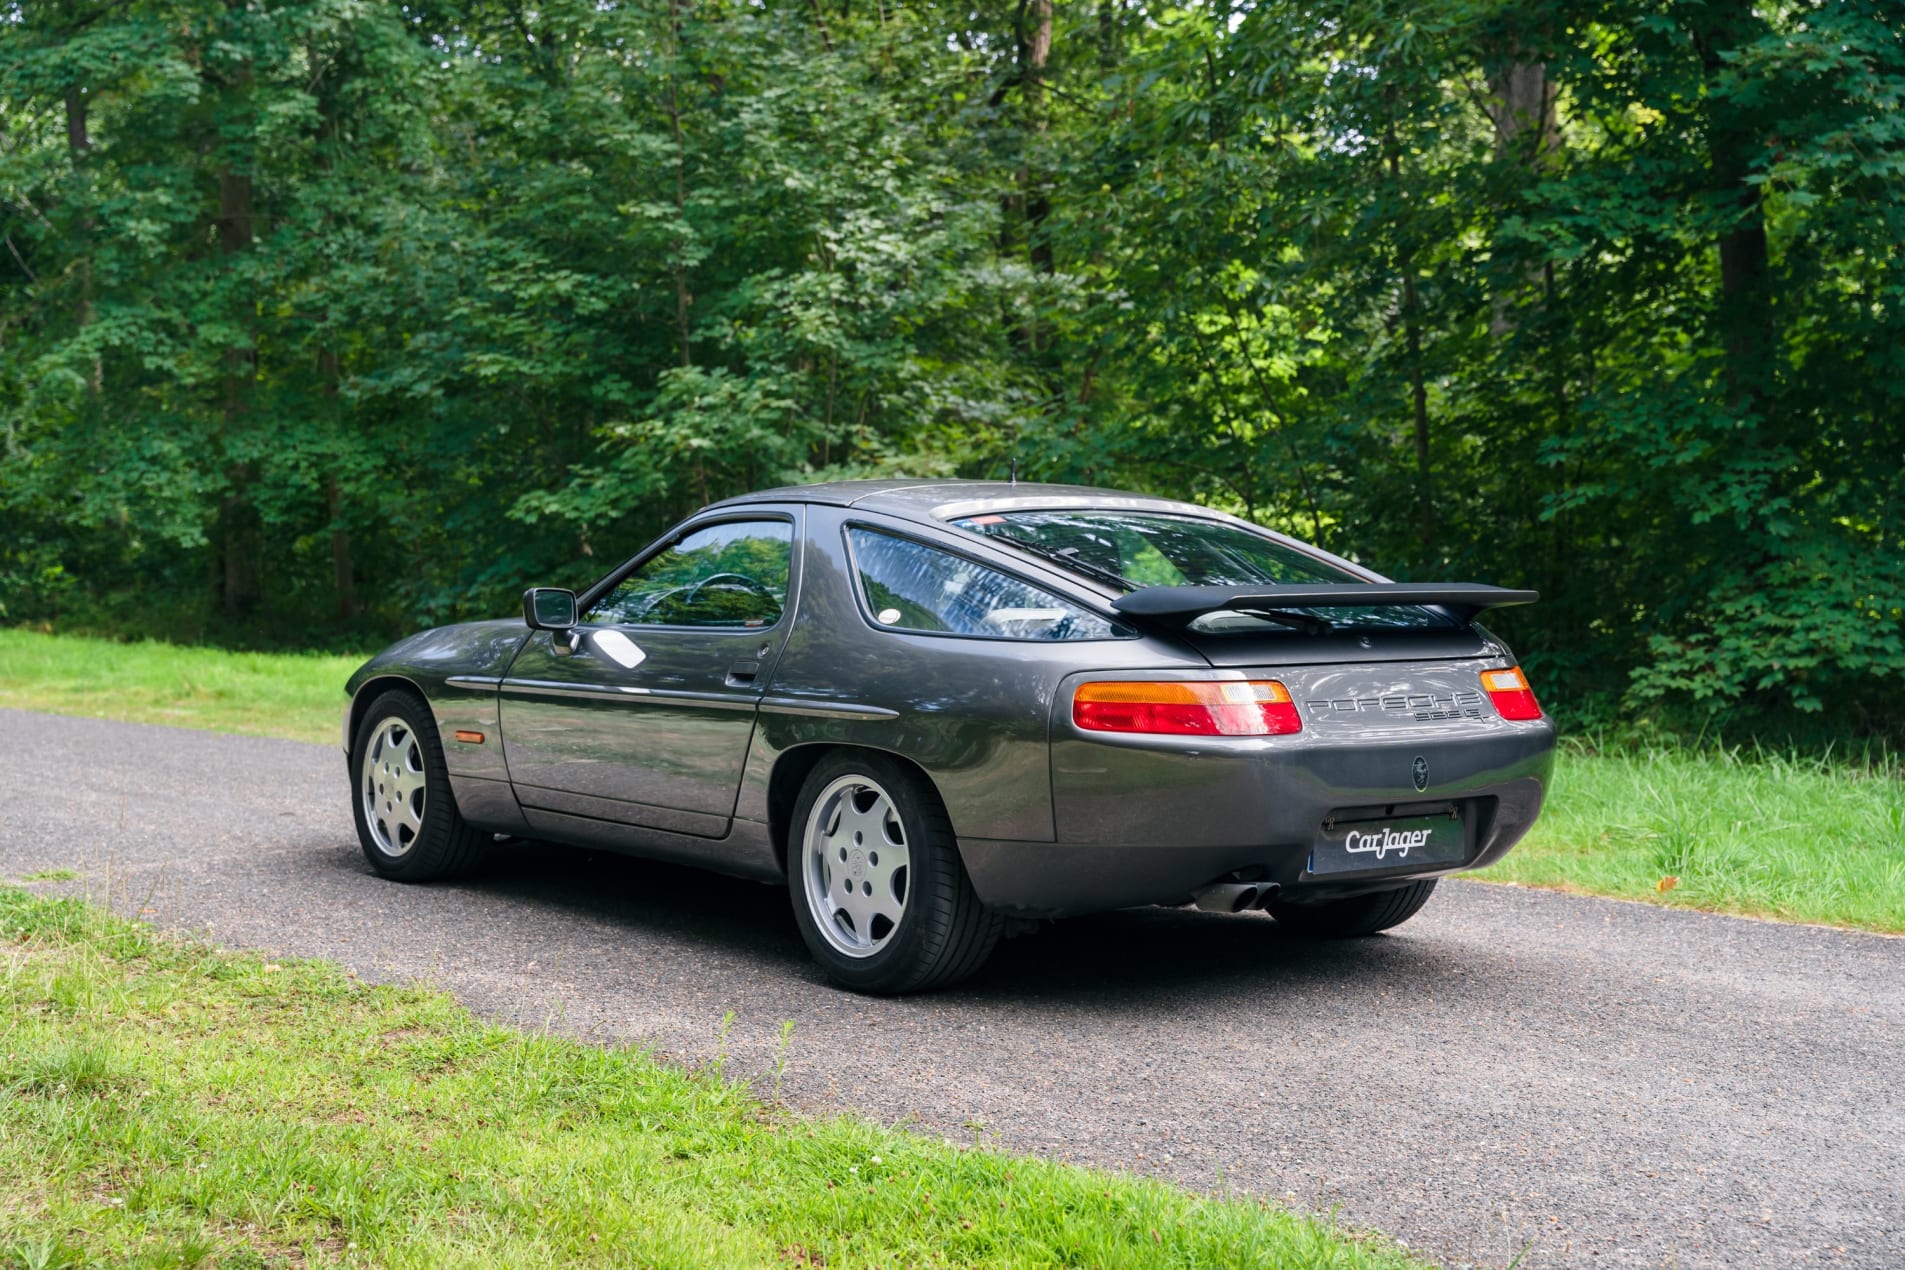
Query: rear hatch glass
(1144,549)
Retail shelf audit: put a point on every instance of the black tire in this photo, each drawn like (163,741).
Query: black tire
(1356,916)
(944,933)
(441,845)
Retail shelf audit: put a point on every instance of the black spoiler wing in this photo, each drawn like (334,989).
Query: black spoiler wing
(1176,607)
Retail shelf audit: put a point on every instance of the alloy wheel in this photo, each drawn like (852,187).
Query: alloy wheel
(391,779)
(855,865)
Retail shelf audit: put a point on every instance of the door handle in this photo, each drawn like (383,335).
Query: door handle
(743,672)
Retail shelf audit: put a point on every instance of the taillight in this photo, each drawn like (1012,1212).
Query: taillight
(1510,692)
(1227,707)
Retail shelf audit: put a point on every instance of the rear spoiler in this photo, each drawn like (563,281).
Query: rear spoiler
(1176,607)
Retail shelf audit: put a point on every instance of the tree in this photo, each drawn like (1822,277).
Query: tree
(321,320)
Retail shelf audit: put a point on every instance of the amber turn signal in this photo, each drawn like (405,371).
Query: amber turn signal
(1510,692)
(469,738)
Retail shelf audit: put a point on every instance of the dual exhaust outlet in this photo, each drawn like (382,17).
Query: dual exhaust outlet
(1233,897)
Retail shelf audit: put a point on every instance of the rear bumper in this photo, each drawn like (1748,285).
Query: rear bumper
(1149,822)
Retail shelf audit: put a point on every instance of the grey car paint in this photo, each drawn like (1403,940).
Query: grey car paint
(675,759)
(660,744)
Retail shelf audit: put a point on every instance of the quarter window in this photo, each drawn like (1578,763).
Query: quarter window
(912,587)
(727,575)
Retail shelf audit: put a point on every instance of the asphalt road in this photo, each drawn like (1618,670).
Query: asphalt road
(1599,1083)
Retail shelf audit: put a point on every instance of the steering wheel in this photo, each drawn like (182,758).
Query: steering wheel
(740,580)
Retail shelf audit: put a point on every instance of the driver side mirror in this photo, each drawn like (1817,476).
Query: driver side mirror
(549,608)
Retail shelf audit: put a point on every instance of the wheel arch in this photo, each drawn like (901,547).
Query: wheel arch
(793,766)
(369,691)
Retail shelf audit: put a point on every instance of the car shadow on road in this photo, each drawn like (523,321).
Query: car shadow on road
(1162,953)
(1115,960)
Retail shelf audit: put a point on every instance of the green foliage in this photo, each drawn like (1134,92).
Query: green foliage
(320,320)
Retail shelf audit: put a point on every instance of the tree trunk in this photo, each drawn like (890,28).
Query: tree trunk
(78,140)
(1527,128)
(343,574)
(79,144)
(1026,209)
(683,299)
(240,536)
(1734,137)
(1521,107)
(1038,206)
(1418,387)
(1109,11)
(1419,397)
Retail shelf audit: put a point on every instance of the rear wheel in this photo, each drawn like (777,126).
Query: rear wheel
(879,892)
(1357,915)
(407,821)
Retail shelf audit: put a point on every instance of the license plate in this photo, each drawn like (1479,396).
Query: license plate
(1368,845)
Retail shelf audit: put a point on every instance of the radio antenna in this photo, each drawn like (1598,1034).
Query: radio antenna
(1013,477)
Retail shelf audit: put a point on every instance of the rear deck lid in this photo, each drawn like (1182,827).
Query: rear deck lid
(1370,699)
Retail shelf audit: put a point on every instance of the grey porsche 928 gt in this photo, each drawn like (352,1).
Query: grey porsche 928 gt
(931,708)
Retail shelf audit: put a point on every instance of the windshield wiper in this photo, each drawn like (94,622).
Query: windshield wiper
(1067,558)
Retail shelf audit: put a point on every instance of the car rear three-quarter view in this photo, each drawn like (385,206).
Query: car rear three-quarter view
(928,708)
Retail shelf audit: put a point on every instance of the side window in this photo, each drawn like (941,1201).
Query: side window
(727,575)
(913,587)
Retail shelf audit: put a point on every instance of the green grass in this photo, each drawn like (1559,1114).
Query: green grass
(295,695)
(166,1104)
(1766,835)
(1770,835)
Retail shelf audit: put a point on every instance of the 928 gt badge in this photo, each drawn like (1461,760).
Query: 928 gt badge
(1420,770)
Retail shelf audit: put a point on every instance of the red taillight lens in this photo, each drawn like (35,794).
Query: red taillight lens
(1510,692)
(1227,707)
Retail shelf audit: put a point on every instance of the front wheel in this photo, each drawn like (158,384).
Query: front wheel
(1357,915)
(879,892)
(407,821)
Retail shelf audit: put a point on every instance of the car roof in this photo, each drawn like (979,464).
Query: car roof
(941,500)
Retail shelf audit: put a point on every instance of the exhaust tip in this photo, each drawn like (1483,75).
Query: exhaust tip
(1229,897)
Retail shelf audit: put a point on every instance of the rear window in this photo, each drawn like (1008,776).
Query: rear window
(1161,549)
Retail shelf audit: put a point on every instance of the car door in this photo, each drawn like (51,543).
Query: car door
(643,713)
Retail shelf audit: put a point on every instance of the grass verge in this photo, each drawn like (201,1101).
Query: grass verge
(1772,835)
(295,695)
(166,1104)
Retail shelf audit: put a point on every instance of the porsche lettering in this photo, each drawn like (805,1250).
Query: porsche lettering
(1423,706)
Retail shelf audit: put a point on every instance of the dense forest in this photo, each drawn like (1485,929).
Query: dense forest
(324,319)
